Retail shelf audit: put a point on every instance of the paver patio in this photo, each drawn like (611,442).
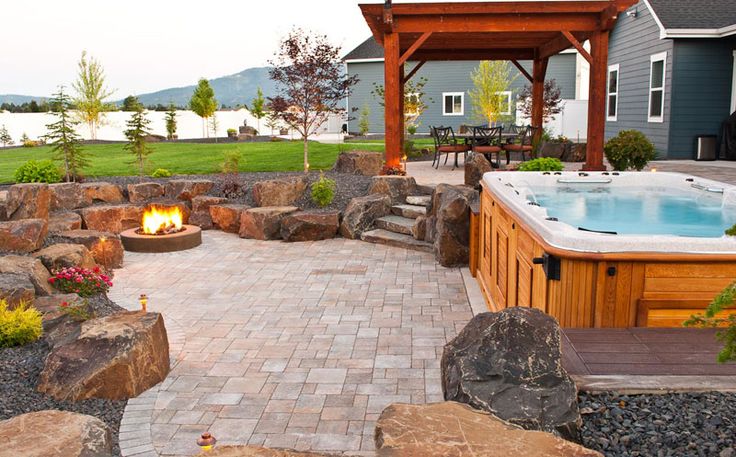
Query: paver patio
(296,345)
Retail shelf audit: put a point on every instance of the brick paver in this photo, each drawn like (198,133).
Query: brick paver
(295,345)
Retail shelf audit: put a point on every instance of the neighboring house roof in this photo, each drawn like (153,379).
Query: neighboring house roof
(694,18)
(367,50)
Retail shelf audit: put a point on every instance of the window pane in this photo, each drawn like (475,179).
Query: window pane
(458,104)
(657,74)
(655,108)
(448,104)
(611,105)
(613,82)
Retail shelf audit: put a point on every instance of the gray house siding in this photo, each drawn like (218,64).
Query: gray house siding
(701,98)
(633,41)
(443,77)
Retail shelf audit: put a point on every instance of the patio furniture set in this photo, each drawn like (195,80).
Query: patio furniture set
(483,140)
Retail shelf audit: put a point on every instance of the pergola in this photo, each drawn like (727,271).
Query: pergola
(513,31)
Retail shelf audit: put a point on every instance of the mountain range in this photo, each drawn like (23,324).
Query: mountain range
(231,90)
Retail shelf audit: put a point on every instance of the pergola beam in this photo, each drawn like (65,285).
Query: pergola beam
(497,23)
(474,54)
(416,45)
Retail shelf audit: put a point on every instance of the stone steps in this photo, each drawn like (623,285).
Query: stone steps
(381,236)
(396,224)
(419,200)
(409,211)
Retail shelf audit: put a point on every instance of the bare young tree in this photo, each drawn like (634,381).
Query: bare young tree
(91,92)
(311,83)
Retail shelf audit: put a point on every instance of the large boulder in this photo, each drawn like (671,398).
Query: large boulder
(66,196)
(310,225)
(115,357)
(475,167)
(454,429)
(143,192)
(28,201)
(258,451)
(16,288)
(25,235)
(279,192)
(509,364)
(3,205)
(112,218)
(106,247)
(451,216)
(32,268)
(187,189)
(101,192)
(63,255)
(366,163)
(201,210)
(361,212)
(67,220)
(264,223)
(227,217)
(54,433)
(396,187)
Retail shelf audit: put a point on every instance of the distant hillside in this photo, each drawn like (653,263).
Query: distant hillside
(19,99)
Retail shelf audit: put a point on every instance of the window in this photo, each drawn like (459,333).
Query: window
(453,104)
(658,64)
(612,110)
(504,103)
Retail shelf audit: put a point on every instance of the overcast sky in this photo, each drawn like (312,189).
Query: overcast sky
(150,45)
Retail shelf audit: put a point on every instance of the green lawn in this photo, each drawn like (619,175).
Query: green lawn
(190,158)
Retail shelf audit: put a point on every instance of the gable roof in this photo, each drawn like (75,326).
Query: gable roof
(694,18)
(369,49)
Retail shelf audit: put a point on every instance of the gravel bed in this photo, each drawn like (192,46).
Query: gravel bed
(687,424)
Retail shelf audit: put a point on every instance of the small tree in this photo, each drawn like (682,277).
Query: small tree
(414,101)
(272,121)
(311,83)
(203,103)
(136,134)
(91,93)
(214,124)
(491,79)
(258,108)
(66,143)
(5,137)
(552,100)
(365,123)
(171,122)
(130,103)
(715,317)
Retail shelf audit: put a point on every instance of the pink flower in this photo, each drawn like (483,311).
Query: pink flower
(79,279)
(64,304)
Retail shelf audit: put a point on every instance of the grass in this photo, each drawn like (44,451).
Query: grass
(189,158)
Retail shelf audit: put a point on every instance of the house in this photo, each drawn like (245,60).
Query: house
(672,72)
(448,84)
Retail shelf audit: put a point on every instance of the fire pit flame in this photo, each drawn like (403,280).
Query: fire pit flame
(161,221)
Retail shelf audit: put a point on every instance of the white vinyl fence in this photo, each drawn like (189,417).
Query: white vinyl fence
(572,122)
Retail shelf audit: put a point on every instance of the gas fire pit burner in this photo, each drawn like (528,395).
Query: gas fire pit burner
(190,236)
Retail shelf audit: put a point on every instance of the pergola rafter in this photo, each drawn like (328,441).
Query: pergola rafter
(504,30)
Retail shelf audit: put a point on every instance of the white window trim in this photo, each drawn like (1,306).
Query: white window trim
(508,95)
(611,69)
(655,58)
(733,85)
(462,103)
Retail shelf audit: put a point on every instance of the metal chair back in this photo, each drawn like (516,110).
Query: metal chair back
(443,136)
(487,136)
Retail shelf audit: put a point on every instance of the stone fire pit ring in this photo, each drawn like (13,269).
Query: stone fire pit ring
(190,237)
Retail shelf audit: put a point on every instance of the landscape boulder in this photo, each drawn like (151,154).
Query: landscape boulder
(115,357)
(201,210)
(475,167)
(31,268)
(67,220)
(187,189)
(227,217)
(419,229)
(101,192)
(310,226)
(264,223)
(112,218)
(454,429)
(143,192)
(451,216)
(279,192)
(365,163)
(53,433)
(66,196)
(509,364)
(25,235)
(396,187)
(16,288)
(3,205)
(105,247)
(258,451)
(63,255)
(28,201)
(361,212)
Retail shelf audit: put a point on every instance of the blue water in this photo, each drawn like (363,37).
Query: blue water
(637,210)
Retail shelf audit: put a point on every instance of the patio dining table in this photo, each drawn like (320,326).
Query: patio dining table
(469,138)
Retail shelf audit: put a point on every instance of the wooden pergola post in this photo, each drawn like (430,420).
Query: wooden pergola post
(597,101)
(539,73)
(393,99)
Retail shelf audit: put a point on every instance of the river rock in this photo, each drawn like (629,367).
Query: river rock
(67,220)
(32,268)
(101,192)
(52,433)
(25,235)
(509,364)
(187,189)
(361,212)
(66,196)
(365,163)
(114,357)
(454,429)
(279,192)
(142,192)
(264,223)
(396,187)
(310,226)
(63,255)
(16,288)
(451,216)
(227,217)
(105,247)
(28,201)
(112,218)
(475,167)
(258,451)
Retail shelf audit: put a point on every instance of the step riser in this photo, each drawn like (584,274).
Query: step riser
(408,211)
(423,200)
(392,239)
(391,227)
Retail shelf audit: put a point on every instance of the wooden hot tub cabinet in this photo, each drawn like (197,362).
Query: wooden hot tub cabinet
(598,290)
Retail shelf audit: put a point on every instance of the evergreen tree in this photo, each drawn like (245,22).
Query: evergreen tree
(203,102)
(258,108)
(130,103)
(136,135)
(5,137)
(66,143)
(171,121)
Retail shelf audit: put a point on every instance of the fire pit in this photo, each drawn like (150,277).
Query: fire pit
(161,230)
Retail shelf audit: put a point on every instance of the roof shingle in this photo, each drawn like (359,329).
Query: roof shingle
(695,14)
(369,49)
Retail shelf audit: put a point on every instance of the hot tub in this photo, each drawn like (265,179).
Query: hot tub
(605,249)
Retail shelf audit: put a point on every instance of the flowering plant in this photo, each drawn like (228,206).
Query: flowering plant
(76,310)
(81,281)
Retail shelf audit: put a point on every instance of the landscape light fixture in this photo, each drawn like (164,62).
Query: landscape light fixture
(143,300)
(206,442)
(633,13)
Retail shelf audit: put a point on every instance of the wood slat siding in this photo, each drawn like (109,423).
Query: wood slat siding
(648,292)
(444,77)
(633,41)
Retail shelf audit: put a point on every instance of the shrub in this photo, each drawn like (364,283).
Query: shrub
(629,149)
(711,319)
(323,191)
(19,326)
(731,231)
(392,171)
(232,162)
(80,281)
(161,173)
(232,132)
(542,164)
(37,171)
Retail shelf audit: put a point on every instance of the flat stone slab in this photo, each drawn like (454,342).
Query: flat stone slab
(419,200)
(398,240)
(409,211)
(396,224)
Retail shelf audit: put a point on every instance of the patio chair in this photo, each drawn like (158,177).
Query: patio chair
(445,142)
(523,144)
(487,141)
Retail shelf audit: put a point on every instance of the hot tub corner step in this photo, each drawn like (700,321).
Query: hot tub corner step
(396,224)
(380,236)
(419,200)
(409,211)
